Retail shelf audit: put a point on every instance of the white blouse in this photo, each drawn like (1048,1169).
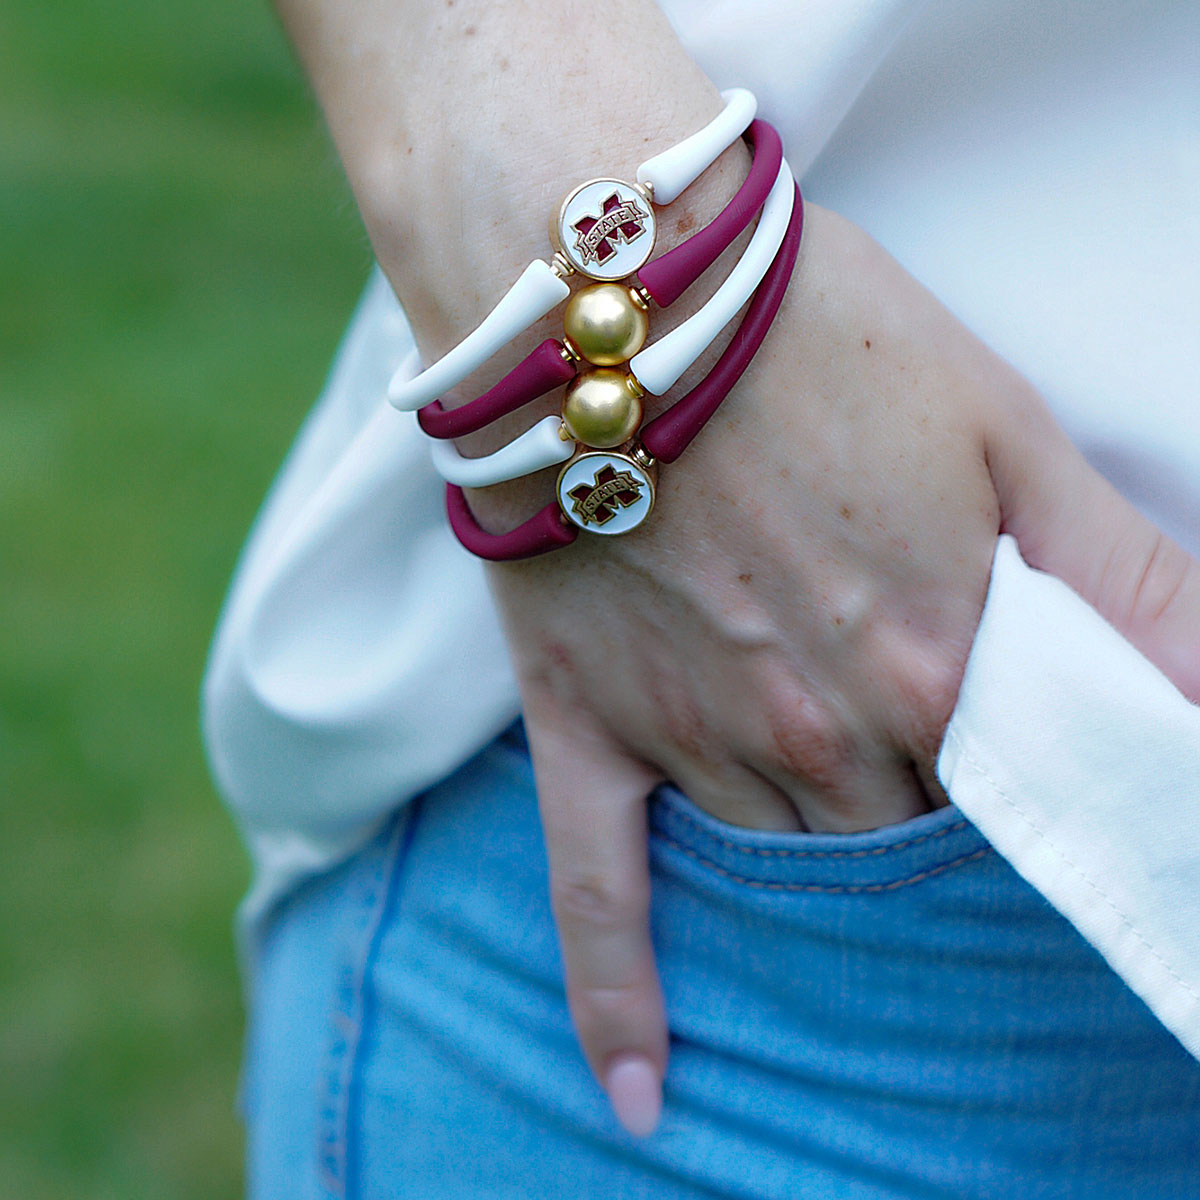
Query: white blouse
(1036,163)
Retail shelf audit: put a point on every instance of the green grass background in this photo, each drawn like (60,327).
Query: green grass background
(178,254)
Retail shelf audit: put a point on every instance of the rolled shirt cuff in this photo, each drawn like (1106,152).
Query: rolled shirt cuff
(1080,762)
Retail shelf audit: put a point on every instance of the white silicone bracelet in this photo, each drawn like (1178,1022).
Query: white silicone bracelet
(669,173)
(541,446)
(534,294)
(659,366)
(540,288)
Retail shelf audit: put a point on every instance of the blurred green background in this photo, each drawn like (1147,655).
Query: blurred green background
(178,254)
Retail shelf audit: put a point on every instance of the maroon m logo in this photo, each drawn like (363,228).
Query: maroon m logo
(619,220)
(597,501)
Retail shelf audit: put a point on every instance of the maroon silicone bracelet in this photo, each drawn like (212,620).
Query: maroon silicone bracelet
(539,372)
(546,530)
(667,435)
(666,279)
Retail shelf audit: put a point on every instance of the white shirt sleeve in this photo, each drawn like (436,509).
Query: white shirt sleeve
(358,659)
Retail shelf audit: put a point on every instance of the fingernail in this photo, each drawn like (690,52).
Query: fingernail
(635,1094)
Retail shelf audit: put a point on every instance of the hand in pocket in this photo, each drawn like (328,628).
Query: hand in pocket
(785,638)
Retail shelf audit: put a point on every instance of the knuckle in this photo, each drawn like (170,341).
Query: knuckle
(548,668)
(680,722)
(686,728)
(607,1019)
(804,734)
(599,1011)
(1142,577)
(594,902)
(1161,581)
(927,691)
(917,680)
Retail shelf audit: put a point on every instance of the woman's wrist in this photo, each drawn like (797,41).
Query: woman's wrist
(503,506)
(462,124)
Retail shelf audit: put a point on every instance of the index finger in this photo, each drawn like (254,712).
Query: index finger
(592,797)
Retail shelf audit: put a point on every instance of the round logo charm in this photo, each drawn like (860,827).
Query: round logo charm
(604,492)
(605,229)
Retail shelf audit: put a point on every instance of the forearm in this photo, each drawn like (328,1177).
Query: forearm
(461,125)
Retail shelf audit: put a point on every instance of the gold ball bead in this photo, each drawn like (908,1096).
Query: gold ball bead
(601,409)
(606,324)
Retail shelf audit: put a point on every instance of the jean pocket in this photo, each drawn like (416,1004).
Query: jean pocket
(688,840)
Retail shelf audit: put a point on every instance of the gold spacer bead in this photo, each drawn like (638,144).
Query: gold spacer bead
(600,409)
(606,323)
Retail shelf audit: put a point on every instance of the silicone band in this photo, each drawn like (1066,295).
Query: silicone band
(534,294)
(671,172)
(659,366)
(666,279)
(539,288)
(537,448)
(539,372)
(545,531)
(666,436)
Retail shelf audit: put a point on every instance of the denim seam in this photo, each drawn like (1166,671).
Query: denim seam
(341,1083)
(840,889)
(952,735)
(770,852)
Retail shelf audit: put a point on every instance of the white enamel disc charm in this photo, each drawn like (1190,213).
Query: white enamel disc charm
(605,229)
(605,492)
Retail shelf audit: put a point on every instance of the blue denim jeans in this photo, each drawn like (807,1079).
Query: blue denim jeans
(883,1015)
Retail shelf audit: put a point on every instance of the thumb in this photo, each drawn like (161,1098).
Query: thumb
(592,797)
(1072,523)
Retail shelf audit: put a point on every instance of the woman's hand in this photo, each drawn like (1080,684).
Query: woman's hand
(785,637)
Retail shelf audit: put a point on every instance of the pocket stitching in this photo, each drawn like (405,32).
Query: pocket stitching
(838,889)
(780,852)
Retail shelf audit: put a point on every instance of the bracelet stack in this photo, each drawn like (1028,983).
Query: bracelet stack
(604,231)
